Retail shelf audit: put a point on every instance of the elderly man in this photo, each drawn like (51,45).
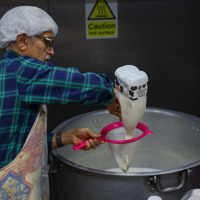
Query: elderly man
(27,84)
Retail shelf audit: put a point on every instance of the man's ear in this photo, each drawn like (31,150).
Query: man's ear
(21,41)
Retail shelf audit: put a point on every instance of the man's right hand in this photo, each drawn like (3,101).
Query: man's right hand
(114,108)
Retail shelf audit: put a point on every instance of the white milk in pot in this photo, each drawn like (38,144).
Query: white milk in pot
(131,91)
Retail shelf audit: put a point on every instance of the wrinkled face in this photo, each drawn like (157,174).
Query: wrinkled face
(38,47)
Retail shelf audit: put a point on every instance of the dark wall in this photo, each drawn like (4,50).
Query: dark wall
(159,37)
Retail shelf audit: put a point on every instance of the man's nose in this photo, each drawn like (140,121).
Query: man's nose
(50,51)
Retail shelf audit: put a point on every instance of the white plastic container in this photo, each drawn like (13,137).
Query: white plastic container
(192,195)
(131,91)
(154,198)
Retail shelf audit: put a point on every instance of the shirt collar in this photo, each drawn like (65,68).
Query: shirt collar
(10,54)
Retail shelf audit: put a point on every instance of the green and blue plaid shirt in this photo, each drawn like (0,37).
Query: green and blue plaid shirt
(26,83)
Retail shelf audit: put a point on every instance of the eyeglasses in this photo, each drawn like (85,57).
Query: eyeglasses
(48,41)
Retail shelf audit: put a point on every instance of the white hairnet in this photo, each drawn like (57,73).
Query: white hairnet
(24,19)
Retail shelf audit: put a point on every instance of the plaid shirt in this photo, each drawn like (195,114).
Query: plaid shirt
(26,83)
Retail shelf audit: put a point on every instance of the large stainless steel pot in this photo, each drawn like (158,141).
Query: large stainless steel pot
(173,149)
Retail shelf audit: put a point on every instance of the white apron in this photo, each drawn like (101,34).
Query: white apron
(26,177)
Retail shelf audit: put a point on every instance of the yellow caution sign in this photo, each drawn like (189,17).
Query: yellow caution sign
(101,11)
(101,20)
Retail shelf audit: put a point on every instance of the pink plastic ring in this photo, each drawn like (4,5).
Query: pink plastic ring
(115,125)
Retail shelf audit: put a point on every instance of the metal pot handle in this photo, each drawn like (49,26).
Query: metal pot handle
(156,183)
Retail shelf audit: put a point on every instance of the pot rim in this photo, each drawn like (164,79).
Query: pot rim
(97,171)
